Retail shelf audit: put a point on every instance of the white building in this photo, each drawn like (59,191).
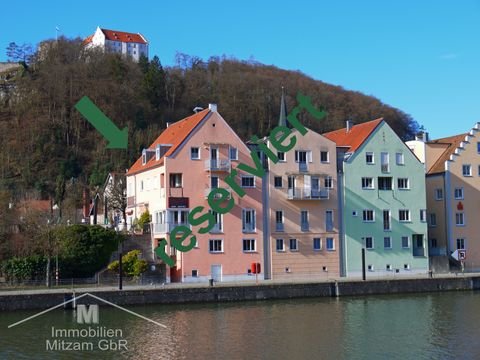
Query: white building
(129,44)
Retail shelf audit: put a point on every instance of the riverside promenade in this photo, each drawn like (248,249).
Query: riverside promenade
(179,293)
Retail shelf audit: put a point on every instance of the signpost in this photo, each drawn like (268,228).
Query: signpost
(460,255)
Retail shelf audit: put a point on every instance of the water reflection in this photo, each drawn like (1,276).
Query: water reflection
(432,326)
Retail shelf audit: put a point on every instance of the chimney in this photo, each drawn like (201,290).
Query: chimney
(349,125)
(168,124)
(212,107)
(422,136)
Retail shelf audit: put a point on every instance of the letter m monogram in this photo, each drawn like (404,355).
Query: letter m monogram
(85,316)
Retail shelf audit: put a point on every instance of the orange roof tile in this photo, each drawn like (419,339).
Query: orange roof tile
(122,36)
(355,137)
(453,142)
(88,40)
(175,135)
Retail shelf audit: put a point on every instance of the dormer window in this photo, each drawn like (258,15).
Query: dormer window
(144,156)
(157,152)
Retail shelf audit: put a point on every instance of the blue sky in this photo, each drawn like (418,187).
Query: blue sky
(422,57)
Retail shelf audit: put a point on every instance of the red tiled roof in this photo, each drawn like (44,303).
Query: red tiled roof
(175,134)
(122,36)
(355,137)
(453,142)
(38,205)
(88,40)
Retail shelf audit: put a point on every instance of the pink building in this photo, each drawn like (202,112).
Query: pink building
(176,174)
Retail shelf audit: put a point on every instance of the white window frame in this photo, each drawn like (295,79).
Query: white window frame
(389,220)
(247,177)
(280,156)
(401,183)
(423,215)
(281,182)
(328,182)
(218,220)
(438,194)
(249,242)
(293,241)
(390,242)
(277,212)
(408,218)
(372,245)
(365,182)
(458,193)
(230,153)
(433,220)
(467,167)
(253,219)
(408,242)
(365,216)
(367,154)
(304,225)
(278,241)
(327,245)
(460,243)
(460,219)
(319,243)
(400,158)
(191,153)
(215,241)
(328,156)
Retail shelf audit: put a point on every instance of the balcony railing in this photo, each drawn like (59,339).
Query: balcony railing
(217,165)
(307,194)
(279,227)
(166,227)
(418,251)
(304,226)
(217,196)
(302,167)
(385,168)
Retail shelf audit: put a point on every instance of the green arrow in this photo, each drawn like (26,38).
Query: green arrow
(117,139)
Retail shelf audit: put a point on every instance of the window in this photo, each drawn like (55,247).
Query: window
(459,193)
(461,244)
(405,242)
(406,266)
(384,183)
(367,183)
(369,242)
(370,267)
(194,153)
(279,220)
(388,267)
(330,244)
(328,182)
(281,156)
(195,273)
(303,156)
(304,220)
(459,219)
(478,170)
(423,215)
(400,159)
(144,157)
(218,227)
(141,185)
(387,226)
(467,170)
(478,147)
(277,180)
(368,216)
(385,162)
(280,245)
(324,156)
(317,244)
(404,215)
(329,220)
(403,183)
(157,152)
(369,157)
(248,181)
(233,153)
(293,245)
(387,242)
(249,245)
(433,243)
(215,246)
(248,220)
(433,220)
(438,194)
(176,180)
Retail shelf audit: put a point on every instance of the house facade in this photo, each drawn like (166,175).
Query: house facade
(125,43)
(383,202)
(176,174)
(453,182)
(303,208)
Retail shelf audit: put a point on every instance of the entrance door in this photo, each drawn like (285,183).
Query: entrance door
(216,272)
(418,249)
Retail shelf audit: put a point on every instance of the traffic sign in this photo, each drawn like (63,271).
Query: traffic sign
(459,255)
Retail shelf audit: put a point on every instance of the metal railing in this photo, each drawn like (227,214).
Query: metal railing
(217,165)
(164,228)
(217,196)
(307,194)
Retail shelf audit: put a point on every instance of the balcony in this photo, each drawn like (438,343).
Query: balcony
(308,194)
(217,165)
(217,196)
(166,227)
(302,167)
(418,251)
(279,227)
(385,168)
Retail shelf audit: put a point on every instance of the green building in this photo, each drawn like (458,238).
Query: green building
(382,198)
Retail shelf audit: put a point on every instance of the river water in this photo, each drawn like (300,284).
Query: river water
(420,326)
